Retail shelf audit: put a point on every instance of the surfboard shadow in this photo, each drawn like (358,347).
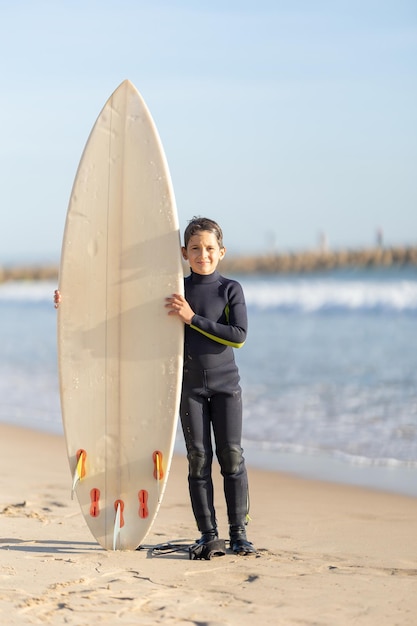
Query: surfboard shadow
(130,335)
(136,258)
(50,547)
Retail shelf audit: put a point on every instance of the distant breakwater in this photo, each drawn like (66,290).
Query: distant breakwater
(28,272)
(316,260)
(273,263)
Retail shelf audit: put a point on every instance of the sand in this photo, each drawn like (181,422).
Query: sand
(328,554)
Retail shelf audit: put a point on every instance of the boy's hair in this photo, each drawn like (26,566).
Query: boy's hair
(197,224)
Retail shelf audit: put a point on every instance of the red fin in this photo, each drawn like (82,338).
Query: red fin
(143,503)
(95,499)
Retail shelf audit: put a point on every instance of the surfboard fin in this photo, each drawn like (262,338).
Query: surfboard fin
(95,502)
(143,504)
(158,472)
(79,471)
(118,521)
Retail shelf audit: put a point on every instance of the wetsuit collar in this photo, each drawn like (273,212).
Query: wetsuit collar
(201,279)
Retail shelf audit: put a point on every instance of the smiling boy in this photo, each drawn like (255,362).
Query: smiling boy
(214,313)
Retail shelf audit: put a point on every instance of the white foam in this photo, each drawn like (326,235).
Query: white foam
(27,291)
(299,295)
(325,295)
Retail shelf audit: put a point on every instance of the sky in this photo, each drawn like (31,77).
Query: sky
(284,120)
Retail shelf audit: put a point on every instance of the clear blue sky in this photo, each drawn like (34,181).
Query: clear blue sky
(280,118)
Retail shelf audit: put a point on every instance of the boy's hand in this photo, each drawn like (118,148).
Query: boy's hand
(178,305)
(57,298)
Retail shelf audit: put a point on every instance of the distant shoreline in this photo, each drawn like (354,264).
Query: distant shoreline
(272,263)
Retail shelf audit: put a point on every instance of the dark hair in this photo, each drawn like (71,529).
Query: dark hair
(197,224)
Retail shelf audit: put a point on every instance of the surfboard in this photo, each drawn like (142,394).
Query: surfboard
(119,353)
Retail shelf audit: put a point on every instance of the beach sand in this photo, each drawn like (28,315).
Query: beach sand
(328,554)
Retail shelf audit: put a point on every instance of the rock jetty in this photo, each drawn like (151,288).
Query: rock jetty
(28,272)
(314,260)
(296,262)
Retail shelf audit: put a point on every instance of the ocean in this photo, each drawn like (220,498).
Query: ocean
(328,372)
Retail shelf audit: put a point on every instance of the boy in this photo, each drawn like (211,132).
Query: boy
(214,313)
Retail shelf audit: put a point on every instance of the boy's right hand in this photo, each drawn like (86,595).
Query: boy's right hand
(178,305)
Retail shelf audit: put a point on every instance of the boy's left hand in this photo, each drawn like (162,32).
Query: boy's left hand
(57,298)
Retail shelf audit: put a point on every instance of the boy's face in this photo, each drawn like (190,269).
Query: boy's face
(203,252)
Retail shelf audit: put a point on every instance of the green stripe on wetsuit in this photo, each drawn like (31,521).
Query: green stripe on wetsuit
(214,338)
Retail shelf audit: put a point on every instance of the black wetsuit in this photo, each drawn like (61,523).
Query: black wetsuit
(211,396)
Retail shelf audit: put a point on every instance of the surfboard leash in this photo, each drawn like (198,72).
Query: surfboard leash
(196,551)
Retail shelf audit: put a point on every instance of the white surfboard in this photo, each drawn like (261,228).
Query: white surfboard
(120,354)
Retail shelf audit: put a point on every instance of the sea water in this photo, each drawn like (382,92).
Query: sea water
(328,372)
